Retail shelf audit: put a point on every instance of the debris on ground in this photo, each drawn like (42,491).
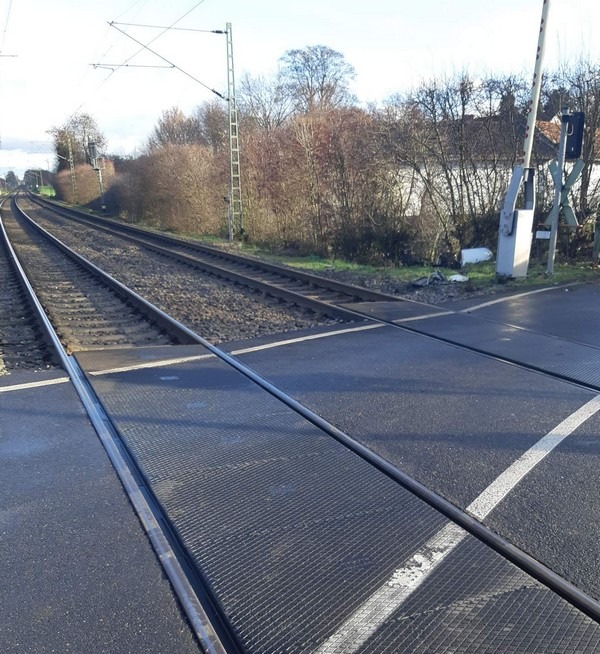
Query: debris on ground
(432,279)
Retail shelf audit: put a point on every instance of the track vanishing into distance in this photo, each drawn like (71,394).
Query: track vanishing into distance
(88,308)
(260,298)
(91,310)
(22,344)
(319,294)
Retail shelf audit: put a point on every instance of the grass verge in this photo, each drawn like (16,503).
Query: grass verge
(481,275)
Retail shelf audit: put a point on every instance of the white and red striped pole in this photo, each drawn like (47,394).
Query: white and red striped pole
(515,230)
(535,89)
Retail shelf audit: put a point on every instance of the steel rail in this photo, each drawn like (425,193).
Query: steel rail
(183,334)
(139,495)
(317,281)
(273,290)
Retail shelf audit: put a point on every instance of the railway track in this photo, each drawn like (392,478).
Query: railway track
(324,296)
(319,294)
(22,344)
(88,308)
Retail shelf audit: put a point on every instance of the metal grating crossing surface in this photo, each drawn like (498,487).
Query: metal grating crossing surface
(290,528)
(571,312)
(479,603)
(574,361)
(293,532)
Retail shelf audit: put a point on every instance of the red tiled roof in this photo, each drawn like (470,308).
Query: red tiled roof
(549,129)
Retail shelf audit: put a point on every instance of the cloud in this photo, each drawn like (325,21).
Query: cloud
(36,147)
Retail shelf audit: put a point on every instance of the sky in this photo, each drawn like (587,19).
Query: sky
(62,57)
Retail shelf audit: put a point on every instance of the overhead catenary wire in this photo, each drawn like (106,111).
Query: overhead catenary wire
(162,27)
(4,32)
(145,47)
(110,46)
(115,66)
(124,64)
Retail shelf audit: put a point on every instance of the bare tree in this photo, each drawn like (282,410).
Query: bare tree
(313,175)
(275,196)
(316,77)
(213,119)
(175,128)
(79,130)
(370,199)
(264,102)
(460,137)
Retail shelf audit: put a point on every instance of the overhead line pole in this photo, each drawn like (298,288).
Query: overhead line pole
(73,174)
(236,221)
(145,47)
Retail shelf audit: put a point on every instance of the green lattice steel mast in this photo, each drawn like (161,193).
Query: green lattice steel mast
(236,220)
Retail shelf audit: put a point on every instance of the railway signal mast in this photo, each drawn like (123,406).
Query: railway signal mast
(95,163)
(515,231)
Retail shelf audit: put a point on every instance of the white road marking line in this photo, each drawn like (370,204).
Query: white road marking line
(199,357)
(46,382)
(152,364)
(424,316)
(514,297)
(372,614)
(502,485)
(311,337)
